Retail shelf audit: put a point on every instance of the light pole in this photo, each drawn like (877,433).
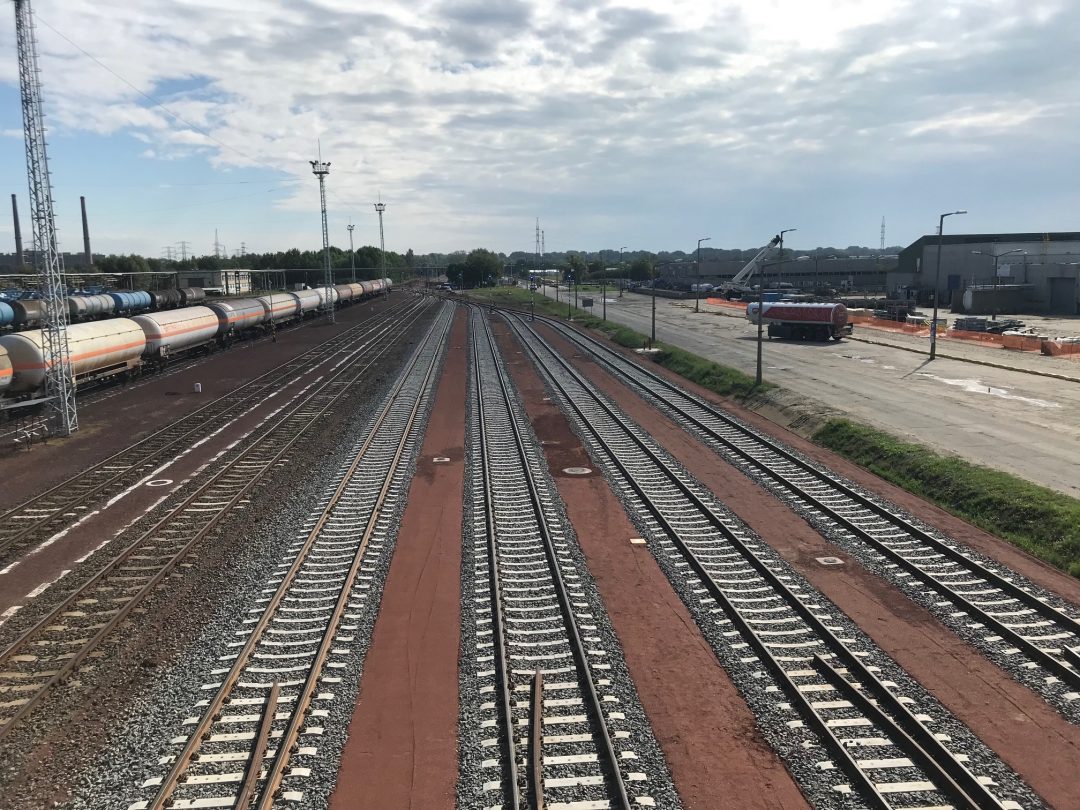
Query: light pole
(320,170)
(937,281)
(788,230)
(380,206)
(622,272)
(352,254)
(697,272)
(995,257)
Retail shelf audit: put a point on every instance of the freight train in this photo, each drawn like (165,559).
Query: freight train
(27,313)
(788,319)
(125,347)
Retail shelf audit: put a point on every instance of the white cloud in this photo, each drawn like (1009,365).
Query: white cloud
(472,117)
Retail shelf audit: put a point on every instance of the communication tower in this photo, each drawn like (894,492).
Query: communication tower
(320,170)
(883,234)
(59,379)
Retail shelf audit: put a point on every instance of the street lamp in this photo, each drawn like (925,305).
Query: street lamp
(995,257)
(937,281)
(622,272)
(788,230)
(697,297)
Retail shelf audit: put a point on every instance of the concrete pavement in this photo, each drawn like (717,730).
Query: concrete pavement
(1003,418)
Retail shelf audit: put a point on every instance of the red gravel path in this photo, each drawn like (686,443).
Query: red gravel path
(402,747)
(1028,734)
(708,734)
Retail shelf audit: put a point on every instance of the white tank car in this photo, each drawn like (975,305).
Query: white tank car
(334,297)
(309,300)
(238,313)
(177,329)
(5,370)
(283,305)
(99,348)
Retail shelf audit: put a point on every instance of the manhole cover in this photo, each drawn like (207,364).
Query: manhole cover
(830,561)
(440,459)
(159,482)
(576,470)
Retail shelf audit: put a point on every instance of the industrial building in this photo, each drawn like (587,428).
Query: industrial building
(225,282)
(862,273)
(1035,272)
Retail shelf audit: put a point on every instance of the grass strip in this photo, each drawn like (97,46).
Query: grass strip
(1039,520)
(723,380)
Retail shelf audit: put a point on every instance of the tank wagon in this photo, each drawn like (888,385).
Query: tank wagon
(5,370)
(801,321)
(98,349)
(132,301)
(191,295)
(238,314)
(176,331)
(7,314)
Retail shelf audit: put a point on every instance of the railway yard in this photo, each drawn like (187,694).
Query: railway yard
(435,555)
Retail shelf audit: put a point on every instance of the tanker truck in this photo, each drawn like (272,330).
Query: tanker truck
(786,319)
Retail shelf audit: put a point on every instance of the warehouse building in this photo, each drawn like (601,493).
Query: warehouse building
(984,273)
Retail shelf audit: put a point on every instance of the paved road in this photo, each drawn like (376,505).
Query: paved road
(1014,421)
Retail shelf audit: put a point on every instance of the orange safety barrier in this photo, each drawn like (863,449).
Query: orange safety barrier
(1055,348)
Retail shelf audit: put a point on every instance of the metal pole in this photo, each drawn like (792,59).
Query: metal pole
(380,206)
(352,254)
(59,374)
(603,294)
(652,338)
(697,272)
(320,170)
(937,282)
(760,322)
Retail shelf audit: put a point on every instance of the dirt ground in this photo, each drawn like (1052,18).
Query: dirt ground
(402,747)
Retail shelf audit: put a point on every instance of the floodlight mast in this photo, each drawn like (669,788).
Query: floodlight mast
(320,170)
(59,378)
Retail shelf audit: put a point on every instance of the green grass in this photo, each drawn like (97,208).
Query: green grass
(1041,521)
(717,378)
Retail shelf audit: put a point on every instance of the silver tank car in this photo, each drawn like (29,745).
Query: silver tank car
(237,314)
(309,300)
(177,329)
(283,305)
(344,291)
(99,348)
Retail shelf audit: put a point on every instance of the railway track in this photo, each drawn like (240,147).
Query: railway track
(854,725)
(1016,624)
(50,652)
(55,509)
(544,672)
(250,744)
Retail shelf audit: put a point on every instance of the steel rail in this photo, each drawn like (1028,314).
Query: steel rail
(1067,670)
(944,778)
(230,679)
(536,741)
(576,645)
(495,595)
(258,752)
(249,392)
(105,630)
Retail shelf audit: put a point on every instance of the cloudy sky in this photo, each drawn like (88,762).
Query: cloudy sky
(616,122)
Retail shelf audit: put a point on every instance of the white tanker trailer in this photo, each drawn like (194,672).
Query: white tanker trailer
(787,319)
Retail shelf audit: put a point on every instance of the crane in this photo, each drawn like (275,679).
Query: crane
(737,286)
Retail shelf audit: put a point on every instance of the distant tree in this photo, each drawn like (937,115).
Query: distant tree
(481,268)
(641,269)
